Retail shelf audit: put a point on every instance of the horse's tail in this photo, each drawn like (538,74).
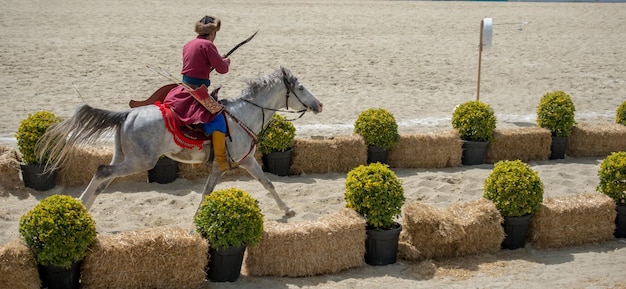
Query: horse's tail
(86,126)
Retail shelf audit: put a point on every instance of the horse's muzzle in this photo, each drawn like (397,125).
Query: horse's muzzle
(318,108)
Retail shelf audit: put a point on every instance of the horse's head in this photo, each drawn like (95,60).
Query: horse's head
(298,97)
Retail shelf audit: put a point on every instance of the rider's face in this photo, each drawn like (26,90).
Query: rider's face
(212,36)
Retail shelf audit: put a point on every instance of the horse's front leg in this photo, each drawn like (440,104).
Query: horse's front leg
(211,182)
(253,167)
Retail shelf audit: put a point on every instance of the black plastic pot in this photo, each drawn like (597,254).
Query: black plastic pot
(278,163)
(54,277)
(164,172)
(515,229)
(557,147)
(474,152)
(225,264)
(620,222)
(377,155)
(381,246)
(34,177)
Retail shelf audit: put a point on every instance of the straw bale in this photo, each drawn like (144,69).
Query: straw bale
(596,140)
(427,150)
(164,257)
(482,223)
(18,268)
(82,165)
(573,220)
(202,171)
(459,230)
(193,172)
(525,144)
(10,169)
(328,155)
(331,244)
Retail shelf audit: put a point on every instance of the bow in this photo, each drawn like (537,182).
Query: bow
(239,45)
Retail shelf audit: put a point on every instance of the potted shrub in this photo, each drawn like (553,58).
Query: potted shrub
(556,113)
(30,131)
(164,172)
(379,130)
(58,232)
(276,143)
(620,116)
(375,192)
(517,192)
(475,122)
(612,175)
(230,220)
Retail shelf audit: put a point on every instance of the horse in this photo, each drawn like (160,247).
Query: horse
(141,136)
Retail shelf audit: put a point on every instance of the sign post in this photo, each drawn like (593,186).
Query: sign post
(485,42)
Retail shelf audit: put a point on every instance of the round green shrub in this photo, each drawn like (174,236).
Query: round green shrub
(378,128)
(278,136)
(514,188)
(30,131)
(474,120)
(612,175)
(58,231)
(375,192)
(620,116)
(230,218)
(556,113)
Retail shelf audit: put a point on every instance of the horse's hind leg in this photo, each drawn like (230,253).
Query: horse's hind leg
(105,174)
(253,167)
(120,166)
(97,184)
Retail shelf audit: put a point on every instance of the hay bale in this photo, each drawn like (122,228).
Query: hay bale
(331,244)
(596,140)
(82,165)
(427,150)
(165,257)
(10,169)
(328,155)
(482,223)
(18,268)
(462,229)
(202,171)
(573,220)
(525,144)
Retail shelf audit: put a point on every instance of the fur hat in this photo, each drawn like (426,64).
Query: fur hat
(208,24)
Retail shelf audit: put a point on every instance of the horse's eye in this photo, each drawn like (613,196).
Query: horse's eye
(300,87)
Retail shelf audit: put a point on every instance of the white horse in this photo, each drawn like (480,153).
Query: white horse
(141,135)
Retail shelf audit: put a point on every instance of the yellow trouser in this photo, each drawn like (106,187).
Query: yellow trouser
(219,150)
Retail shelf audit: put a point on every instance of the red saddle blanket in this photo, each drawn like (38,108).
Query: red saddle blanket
(186,136)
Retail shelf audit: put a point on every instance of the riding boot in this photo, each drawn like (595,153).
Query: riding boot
(219,149)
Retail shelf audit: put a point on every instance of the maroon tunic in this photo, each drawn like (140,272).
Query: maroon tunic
(188,109)
(199,55)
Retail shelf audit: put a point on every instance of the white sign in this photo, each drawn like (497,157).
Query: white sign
(487,29)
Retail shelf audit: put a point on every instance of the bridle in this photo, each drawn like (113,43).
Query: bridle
(290,91)
(256,137)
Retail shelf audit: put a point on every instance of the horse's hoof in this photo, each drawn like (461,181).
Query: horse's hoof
(290,213)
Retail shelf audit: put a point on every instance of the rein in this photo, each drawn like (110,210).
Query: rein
(287,95)
(256,137)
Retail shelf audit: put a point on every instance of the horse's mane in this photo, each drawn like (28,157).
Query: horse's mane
(266,82)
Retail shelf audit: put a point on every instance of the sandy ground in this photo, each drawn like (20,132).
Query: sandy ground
(416,59)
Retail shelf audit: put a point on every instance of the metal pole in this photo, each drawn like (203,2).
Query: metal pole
(480,56)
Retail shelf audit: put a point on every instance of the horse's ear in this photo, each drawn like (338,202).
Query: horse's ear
(285,71)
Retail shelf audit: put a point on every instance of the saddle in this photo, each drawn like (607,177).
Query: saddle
(185,135)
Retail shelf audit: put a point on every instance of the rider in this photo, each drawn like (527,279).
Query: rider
(200,56)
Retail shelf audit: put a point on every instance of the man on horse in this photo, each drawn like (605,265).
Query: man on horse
(190,100)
